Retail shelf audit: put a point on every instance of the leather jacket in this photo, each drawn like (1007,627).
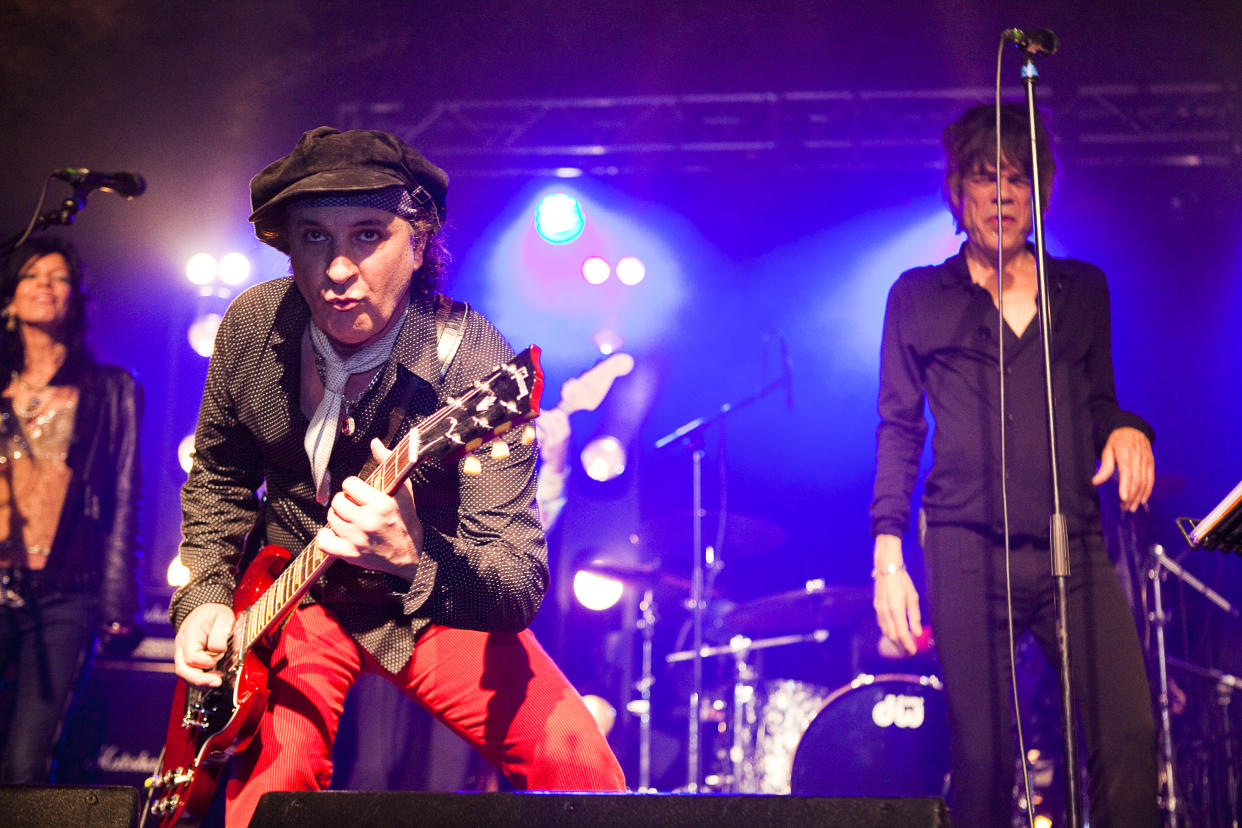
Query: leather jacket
(95,548)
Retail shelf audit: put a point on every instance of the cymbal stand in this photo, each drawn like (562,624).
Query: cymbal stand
(1161,560)
(1225,685)
(1158,619)
(743,701)
(642,705)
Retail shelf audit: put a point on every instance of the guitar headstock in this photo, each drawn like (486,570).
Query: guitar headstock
(506,397)
(587,391)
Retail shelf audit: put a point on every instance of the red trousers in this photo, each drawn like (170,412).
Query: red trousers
(499,691)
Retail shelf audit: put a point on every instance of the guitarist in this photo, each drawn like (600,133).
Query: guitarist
(434,587)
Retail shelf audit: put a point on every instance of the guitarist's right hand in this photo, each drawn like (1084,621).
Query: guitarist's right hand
(200,642)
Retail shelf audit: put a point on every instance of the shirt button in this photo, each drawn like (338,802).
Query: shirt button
(1009,418)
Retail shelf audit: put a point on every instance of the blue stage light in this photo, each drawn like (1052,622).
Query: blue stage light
(558,218)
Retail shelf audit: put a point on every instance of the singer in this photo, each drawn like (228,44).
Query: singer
(68,501)
(940,348)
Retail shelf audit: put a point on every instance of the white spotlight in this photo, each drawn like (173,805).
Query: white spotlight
(596,270)
(595,592)
(631,270)
(608,341)
(234,269)
(201,269)
(603,459)
(202,333)
(604,714)
(185,453)
(178,573)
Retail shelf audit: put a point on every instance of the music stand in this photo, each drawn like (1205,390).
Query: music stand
(1221,529)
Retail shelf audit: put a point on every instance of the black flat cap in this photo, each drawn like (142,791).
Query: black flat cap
(327,161)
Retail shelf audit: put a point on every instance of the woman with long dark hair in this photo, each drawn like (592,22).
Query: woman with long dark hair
(68,502)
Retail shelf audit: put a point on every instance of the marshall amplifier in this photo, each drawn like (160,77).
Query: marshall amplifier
(116,729)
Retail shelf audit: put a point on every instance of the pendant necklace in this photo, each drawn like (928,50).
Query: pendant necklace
(348,426)
(32,405)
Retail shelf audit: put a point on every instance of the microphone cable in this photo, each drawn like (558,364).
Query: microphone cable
(34,219)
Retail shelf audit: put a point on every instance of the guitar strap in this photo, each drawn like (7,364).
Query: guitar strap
(450,326)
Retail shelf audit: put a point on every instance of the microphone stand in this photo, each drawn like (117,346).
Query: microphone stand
(1058,534)
(62,216)
(690,436)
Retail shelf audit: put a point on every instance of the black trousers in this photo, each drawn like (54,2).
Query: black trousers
(966,570)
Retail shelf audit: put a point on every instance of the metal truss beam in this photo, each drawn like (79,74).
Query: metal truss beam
(1163,125)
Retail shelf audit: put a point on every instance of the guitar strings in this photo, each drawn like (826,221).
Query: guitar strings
(310,553)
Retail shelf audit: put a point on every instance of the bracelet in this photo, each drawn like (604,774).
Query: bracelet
(888,569)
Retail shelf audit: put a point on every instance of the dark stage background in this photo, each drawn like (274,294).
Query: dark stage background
(741,247)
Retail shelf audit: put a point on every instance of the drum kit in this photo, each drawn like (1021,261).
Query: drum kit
(876,735)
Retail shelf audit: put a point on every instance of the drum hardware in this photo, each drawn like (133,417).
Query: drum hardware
(741,777)
(742,644)
(648,575)
(642,705)
(1225,683)
(704,558)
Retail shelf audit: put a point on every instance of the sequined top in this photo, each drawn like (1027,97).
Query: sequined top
(34,477)
(484,562)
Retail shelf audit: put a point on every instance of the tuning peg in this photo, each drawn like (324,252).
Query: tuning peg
(528,434)
(472,465)
(500,450)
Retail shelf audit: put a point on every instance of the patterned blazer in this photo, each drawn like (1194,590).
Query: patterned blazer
(484,562)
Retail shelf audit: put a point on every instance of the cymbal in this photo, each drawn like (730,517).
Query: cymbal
(745,534)
(642,573)
(815,607)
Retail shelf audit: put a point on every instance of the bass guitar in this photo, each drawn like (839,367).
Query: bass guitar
(208,725)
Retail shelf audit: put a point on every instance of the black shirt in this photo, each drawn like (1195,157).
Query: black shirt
(939,345)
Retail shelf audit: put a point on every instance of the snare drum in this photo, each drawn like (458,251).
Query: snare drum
(877,736)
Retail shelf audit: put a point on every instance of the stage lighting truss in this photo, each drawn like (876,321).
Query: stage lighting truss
(1165,125)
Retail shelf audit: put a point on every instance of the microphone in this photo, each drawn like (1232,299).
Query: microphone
(1033,41)
(127,184)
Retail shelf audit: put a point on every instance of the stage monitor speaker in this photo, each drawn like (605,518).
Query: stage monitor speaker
(54,806)
(333,809)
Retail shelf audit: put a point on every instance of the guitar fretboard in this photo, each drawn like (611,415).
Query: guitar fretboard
(461,425)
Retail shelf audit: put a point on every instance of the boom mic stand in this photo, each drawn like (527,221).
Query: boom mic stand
(62,215)
(1058,535)
(690,436)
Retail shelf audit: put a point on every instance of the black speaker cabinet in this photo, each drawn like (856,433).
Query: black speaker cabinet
(23,806)
(334,809)
(116,728)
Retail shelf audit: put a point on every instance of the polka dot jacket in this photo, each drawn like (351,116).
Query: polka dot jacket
(484,563)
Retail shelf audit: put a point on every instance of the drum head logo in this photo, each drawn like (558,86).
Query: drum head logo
(902,711)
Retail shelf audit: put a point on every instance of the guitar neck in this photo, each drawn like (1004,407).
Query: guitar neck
(490,407)
(302,572)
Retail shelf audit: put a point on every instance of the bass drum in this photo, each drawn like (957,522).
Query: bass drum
(877,736)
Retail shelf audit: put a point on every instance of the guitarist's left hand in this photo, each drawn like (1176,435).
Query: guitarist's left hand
(371,529)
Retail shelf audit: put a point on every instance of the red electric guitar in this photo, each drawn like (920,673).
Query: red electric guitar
(208,725)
